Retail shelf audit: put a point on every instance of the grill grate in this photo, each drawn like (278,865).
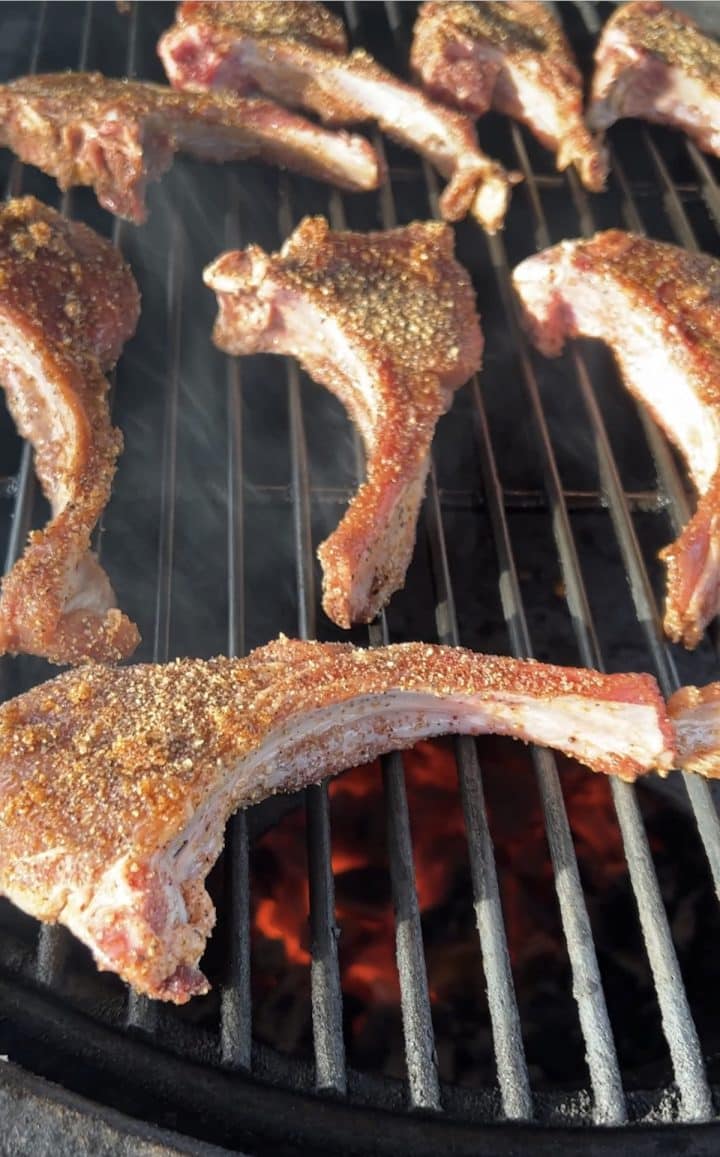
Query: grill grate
(163,587)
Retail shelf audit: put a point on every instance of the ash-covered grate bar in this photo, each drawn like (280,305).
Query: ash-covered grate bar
(236,998)
(420,1055)
(594,1019)
(423,1084)
(601,1054)
(510,1058)
(678,1025)
(330,1072)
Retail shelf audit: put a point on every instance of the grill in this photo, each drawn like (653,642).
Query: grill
(233,472)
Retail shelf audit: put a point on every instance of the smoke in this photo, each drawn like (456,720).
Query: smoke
(204,501)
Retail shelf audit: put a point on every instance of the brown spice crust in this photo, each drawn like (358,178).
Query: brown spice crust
(515,57)
(695,714)
(118,135)
(123,756)
(669,34)
(649,287)
(224,51)
(67,305)
(405,312)
(296,19)
(116,785)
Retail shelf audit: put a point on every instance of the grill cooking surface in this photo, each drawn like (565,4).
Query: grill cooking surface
(549,497)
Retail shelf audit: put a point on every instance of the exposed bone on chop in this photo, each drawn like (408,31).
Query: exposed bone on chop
(653,62)
(68,303)
(387,322)
(658,308)
(115,785)
(514,57)
(695,715)
(117,135)
(271,47)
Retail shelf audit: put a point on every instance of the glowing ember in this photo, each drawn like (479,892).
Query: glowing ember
(359,860)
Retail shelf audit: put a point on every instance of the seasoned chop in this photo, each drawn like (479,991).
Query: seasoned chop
(271,47)
(653,62)
(68,303)
(514,57)
(695,715)
(658,308)
(117,135)
(387,322)
(116,785)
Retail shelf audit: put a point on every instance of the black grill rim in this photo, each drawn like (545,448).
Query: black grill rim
(237,1110)
(40,1116)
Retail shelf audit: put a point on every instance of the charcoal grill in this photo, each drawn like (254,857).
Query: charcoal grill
(233,472)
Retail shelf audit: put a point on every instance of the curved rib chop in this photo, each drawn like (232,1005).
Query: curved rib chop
(387,322)
(116,135)
(68,303)
(512,56)
(272,48)
(115,786)
(658,308)
(653,62)
(695,715)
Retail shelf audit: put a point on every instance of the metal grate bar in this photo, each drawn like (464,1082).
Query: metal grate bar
(142,1012)
(502,1002)
(423,1084)
(118,230)
(645,501)
(595,1023)
(510,1058)
(324,969)
(587,986)
(236,999)
(711,192)
(421,1057)
(678,1024)
(166,542)
(671,198)
(677,1019)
